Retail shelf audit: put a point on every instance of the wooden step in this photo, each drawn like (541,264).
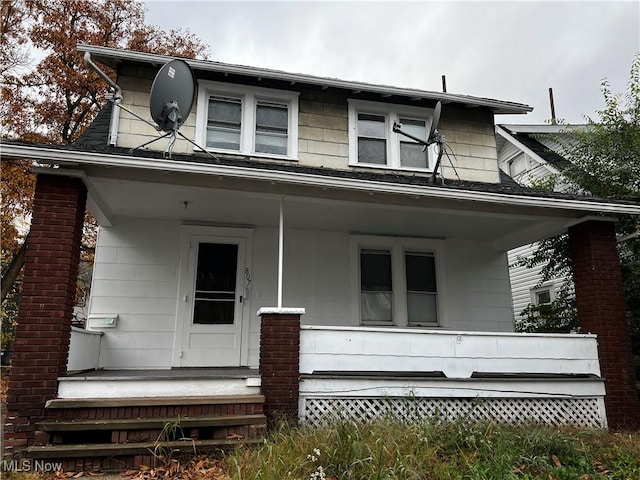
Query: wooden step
(142,448)
(151,401)
(150,423)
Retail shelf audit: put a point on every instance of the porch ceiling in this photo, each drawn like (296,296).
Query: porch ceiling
(251,203)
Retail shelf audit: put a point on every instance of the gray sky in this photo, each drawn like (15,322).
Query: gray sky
(507,50)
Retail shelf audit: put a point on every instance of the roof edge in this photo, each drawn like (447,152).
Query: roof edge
(111,56)
(71,157)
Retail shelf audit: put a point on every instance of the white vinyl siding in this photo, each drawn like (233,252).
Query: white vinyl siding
(137,267)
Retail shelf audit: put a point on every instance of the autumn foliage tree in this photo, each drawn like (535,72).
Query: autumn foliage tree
(54,100)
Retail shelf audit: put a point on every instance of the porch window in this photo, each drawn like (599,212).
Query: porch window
(376,286)
(422,292)
(247,120)
(398,281)
(373,143)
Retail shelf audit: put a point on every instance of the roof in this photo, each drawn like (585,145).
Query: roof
(529,138)
(112,57)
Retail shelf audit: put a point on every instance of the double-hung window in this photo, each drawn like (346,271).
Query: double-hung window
(373,143)
(247,120)
(397,281)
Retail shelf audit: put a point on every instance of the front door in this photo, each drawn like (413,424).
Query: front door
(213,296)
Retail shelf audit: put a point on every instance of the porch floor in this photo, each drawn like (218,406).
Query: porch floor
(212,373)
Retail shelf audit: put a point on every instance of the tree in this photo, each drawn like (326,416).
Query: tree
(57,99)
(605,162)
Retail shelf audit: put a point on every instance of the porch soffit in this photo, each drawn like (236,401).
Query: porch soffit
(143,187)
(221,200)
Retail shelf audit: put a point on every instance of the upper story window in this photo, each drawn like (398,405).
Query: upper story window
(372,142)
(247,120)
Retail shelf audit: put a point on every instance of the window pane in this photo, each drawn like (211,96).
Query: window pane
(411,155)
(421,272)
(371,125)
(225,110)
(271,143)
(375,270)
(375,286)
(224,123)
(543,297)
(416,128)
(422,308)
(272,124)
(223,138)
(372,151)
(376,307)
(215,293)
(272,117)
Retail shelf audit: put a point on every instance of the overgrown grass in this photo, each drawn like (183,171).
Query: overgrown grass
(390,450)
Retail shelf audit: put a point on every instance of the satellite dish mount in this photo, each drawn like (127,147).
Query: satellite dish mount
(433,137)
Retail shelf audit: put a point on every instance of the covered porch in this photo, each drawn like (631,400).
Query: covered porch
(300,235)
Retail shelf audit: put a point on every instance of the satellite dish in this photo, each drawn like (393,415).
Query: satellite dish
(432,138)
(172,95)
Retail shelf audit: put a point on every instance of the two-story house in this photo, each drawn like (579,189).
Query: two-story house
(295,256)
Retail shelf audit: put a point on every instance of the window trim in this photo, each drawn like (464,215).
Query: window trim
(533,291)
(392,113)
(399,246)
(250,96)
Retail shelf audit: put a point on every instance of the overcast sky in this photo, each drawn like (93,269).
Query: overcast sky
(506,50)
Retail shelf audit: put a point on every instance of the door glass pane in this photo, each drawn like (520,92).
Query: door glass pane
(375,286)
(224,123)
(422,297)
(215,294)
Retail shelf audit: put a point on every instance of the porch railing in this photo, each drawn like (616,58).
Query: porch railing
(363,372)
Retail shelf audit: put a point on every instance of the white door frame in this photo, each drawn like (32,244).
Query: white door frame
(188,234)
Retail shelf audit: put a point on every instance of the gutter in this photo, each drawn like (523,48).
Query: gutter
(61,157)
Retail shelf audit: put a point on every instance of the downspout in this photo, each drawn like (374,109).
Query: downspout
(117,99)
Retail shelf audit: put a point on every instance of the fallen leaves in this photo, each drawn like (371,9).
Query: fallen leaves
(199,468)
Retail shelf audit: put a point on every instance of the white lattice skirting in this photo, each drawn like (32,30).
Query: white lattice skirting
(584,412)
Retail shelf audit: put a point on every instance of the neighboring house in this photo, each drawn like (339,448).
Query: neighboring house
(531,154)
(311,268)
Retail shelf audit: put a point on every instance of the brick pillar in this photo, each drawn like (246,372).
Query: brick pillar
(601,310)
(46,305)
(280,362)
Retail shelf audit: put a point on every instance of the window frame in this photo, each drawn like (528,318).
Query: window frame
(249,96)
(399,247)
(392,113)
(534,291)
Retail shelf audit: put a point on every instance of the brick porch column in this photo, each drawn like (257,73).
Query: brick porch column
(601,310)
(280,361)
(46,305)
